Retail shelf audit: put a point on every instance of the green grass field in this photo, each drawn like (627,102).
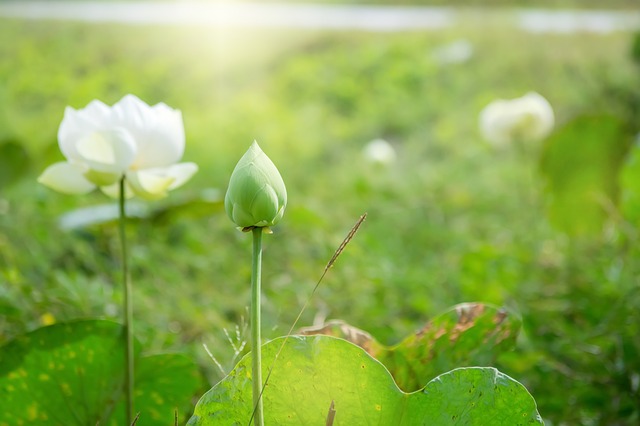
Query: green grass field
(453,220)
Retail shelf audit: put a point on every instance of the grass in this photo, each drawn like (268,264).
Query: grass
(453,220)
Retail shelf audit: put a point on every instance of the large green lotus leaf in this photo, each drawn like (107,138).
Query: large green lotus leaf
(314,371)
(469,334)
(630,185)
(64,374)
(73,374)
(165,384)
(580,165)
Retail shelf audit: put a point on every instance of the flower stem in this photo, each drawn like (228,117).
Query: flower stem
(256,357)
(128,310)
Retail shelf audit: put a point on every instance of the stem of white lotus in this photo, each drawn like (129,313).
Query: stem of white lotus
(128,310)
(256,356)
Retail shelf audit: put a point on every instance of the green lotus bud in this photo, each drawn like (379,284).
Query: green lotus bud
(256,196)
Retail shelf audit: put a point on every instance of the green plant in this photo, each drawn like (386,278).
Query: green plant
(255,201)
(67,374)
(308,374)
(125,150)
(318,372)
(445,224)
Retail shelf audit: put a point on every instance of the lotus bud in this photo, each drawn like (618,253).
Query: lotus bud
(256,196)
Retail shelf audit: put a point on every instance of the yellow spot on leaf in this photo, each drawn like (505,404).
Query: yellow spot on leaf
(47,319)
(44,377)
(378,407)
(157,398)
(32,412)
(66,389)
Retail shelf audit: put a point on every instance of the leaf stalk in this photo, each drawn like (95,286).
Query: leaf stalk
(256,357)
(127,309)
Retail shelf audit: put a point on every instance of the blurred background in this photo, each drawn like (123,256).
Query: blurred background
(547,229)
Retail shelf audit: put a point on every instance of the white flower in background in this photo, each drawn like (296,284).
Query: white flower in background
(132,139)
(456,52)
(379,151)
(529,118)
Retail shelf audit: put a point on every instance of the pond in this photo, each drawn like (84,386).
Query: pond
(315,16)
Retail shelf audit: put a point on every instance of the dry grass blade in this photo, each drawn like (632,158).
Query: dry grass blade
(135,420)
(344,243)
(331,415)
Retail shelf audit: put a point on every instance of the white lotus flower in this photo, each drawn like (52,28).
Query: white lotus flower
(379,151)
(132,139)
(529,118)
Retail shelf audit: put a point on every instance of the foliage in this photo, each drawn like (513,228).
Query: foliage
(452,220)
(69,374)
(15,162)
(630,186)
(580,164)
(470,334)
(313,372)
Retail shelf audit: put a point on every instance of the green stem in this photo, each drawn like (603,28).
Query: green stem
(128,310)
(256,357)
